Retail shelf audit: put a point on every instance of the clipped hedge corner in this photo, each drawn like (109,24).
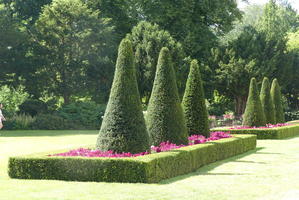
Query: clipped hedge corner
(144,169)
(267,133)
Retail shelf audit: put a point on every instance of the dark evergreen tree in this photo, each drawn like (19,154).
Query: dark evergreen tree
(254,114)
(123,127)
(277,101)
(165,118)
(267,102)
(194,104)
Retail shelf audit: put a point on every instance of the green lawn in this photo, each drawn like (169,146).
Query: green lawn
(270,172)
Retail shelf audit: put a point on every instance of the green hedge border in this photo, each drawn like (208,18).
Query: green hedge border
(269,133)
(144,169)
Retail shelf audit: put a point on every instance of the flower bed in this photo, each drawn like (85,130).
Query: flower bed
(278,131)
(150,168)
(164,146)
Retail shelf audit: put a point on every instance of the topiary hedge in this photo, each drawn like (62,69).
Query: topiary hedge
(165,118)
(194,104)
(277,101)
(254,114)
(267,133)
(267,102)
(146,169)
(123,128)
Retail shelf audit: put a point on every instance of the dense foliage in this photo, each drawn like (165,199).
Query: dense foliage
(194,104)
(277,101)
(267,102)
(123,128)
(147,40)
(165,117)
(254,115)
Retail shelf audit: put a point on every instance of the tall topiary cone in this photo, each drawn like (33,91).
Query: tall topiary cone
(194,104)
(267,102)
(254,114)
(165,118)
(123,128)
(277,101)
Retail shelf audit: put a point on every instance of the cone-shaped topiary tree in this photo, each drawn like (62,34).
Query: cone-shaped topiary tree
(277,101)
(165,118)
(254,114)
(194,104)
(267,102)
(123,128)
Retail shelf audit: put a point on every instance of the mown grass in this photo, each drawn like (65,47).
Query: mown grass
(270,172)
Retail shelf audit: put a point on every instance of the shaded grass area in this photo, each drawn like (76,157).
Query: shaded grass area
(269,172)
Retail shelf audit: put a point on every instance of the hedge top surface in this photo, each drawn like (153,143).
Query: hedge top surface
(165,118)
(267,102)
(123,128)
(277,101)
(254,114)
(194,105)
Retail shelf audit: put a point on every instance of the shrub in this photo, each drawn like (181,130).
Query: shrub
(267,102)
(194,105)
(123,128)
(291,116)
(33,107)
(165,118)
(53,122)
(277,101)
(146,169)
(254,114)
(19,122)
(88,115)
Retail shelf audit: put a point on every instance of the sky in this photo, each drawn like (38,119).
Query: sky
(294,3)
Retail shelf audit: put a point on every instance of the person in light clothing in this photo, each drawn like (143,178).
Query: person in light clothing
(2,118)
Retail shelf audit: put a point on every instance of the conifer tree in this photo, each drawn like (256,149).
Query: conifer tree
(194,104)
(165,118)
(254,115)
(123,128)
(267,102)
(277,101)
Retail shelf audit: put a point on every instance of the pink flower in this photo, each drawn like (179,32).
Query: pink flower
(164,146)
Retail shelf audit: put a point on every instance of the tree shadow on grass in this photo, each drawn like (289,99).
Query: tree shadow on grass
(205,170)
(42,133)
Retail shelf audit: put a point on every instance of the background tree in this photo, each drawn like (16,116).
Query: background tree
(195,24)
(194,104)
(148,39)
(13,49)
(123,128)
(292,90)
(254,115)
(71,40)
(165,118)
(267,102)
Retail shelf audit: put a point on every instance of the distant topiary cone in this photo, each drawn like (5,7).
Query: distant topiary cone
(194,104)
(277,101)
(254,114)
(165,118)
(267,102)
(123,128)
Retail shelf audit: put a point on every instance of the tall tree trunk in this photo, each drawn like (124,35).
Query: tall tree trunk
(240,105)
